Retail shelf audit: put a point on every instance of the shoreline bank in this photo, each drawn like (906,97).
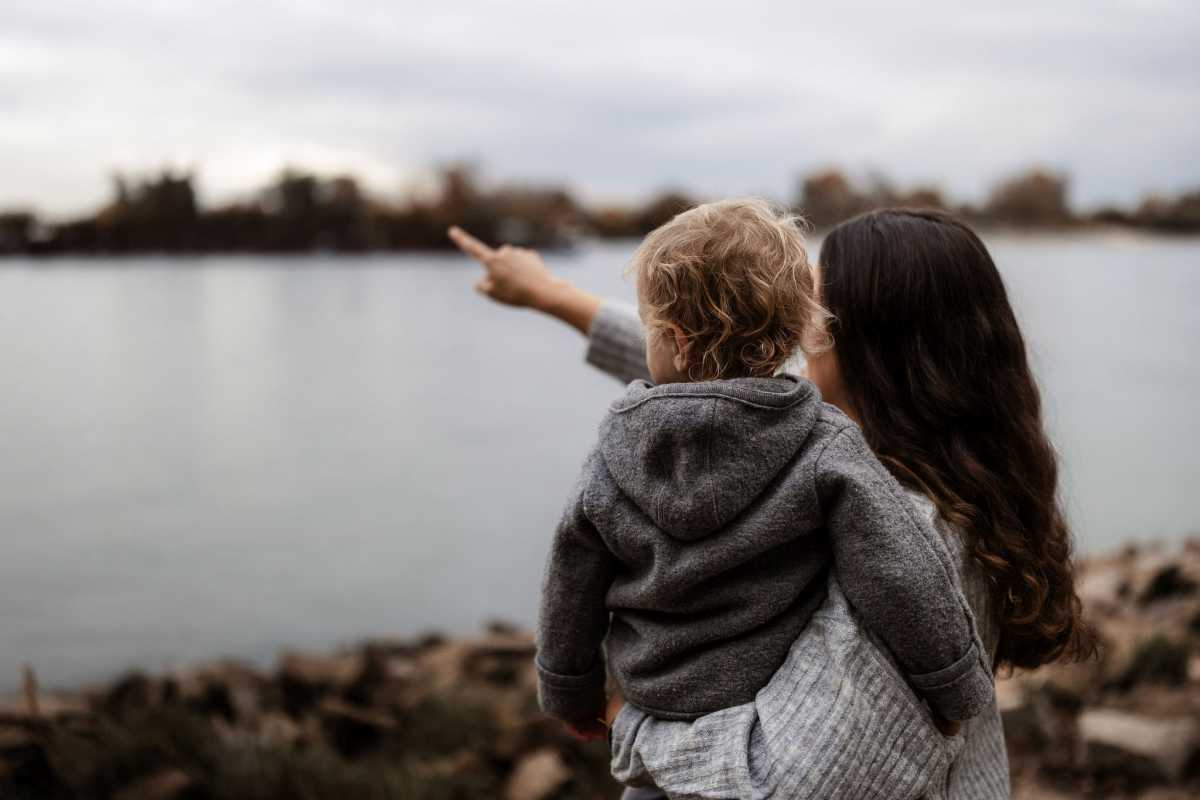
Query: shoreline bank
(456,717)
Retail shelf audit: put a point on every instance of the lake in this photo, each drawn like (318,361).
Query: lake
(225,456)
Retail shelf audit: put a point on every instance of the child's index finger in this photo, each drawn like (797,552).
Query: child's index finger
(469,244)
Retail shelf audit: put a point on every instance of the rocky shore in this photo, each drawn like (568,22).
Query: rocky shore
(1128,723)
(450,718)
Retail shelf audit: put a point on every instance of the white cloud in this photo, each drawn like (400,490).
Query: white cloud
(615,98)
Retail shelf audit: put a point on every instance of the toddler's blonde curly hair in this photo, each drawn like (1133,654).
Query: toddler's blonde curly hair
(734,276)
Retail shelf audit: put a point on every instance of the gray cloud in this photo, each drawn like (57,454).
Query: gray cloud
(616,99)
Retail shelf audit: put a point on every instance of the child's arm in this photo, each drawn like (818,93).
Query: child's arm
(517,276)
(617,343)
(573,619)
(896,571)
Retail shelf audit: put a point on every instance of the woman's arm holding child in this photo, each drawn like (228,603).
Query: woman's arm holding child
(896,571)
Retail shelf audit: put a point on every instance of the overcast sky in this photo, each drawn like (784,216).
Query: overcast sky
(615,99)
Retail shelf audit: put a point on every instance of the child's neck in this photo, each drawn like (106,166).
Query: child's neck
(723,377)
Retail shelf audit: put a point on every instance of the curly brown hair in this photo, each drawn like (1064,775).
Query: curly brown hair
(734,276)
(936,371)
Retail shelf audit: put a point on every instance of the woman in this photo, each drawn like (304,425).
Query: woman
(929,360)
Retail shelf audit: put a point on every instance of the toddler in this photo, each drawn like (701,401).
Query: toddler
(698,540)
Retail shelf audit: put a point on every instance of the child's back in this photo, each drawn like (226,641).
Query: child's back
(700,524)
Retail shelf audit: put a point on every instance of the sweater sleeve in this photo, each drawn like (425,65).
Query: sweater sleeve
(897,573)
(573,616)
(617,343)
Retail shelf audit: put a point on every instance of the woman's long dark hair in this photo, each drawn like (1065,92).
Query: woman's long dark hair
(934,366)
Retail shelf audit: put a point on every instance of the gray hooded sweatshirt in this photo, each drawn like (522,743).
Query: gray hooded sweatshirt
(696,546)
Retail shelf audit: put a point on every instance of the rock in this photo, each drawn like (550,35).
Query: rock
(500,657)
(1101,588)
(1157,660)
(1151,700)
(336,671)
(387,674)
(445,664)
(395,648)
(169,784)
(1142,749)
(24,763)
(1168,794)
(461,763)
(15,736)
(276,728)
(244,701)
(1033,791)
(50,707)
(1152,574)
(502,627)
(1067,686)
(1167,581)
(1018,714)
(135,691)
(421,643)
(229,690)
(353,730)
(512,645)
(304,678)
(511,716)
(538,776)
(1120,638)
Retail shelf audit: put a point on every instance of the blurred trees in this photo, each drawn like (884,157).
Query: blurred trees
(828,197)
(158,213)
(302,212)
(1180,214)
(1036,198)
(619,221)
(16,232)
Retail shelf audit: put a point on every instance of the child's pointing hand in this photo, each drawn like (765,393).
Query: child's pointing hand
(514,276)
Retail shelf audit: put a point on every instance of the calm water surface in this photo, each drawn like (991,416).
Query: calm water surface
(230,455)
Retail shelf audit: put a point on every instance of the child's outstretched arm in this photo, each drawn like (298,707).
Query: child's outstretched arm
(515,276)
(573,618)
(897,572)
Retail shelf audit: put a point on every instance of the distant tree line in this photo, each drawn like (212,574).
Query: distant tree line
(1034,199)
(301,212)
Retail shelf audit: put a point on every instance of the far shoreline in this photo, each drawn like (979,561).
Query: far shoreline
(318,258)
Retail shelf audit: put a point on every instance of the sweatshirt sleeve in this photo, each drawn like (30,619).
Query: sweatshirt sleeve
(617,343)
(573,617)
(897,573)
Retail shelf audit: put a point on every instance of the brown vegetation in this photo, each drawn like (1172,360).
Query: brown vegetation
(827,198)
(1036,198)
(301,212)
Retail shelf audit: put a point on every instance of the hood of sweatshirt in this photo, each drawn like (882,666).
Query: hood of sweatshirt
(693,456)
